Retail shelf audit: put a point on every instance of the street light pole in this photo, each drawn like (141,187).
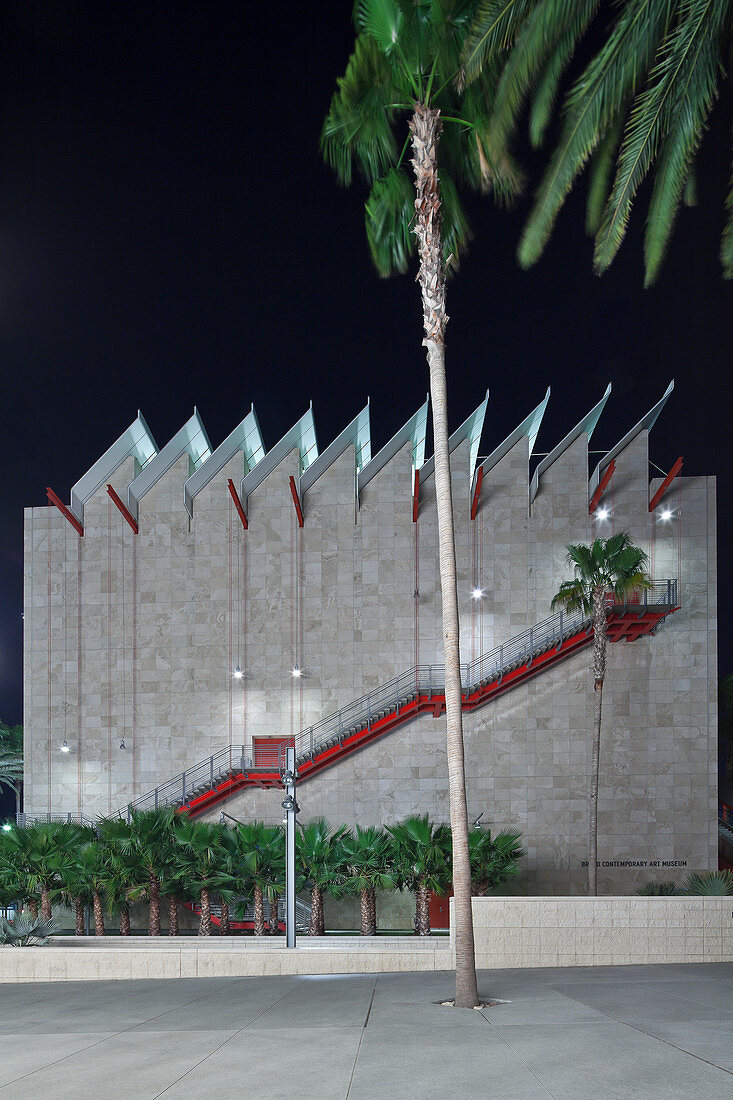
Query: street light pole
(290,806)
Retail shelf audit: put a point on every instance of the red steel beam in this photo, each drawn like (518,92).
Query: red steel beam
(238,504)
(126,513)
(64,511)
(416,497)
(665,484)
(296,500)
(601,487)
(477,492)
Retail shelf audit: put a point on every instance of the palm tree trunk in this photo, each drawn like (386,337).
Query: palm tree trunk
(99,929)
(224,929)
(78,917)
(600,646)
(205,922)
(422,911)
(154,898)
(425,126)
(316,923)
(368,913)
(274,922)
(259,929)
(125,920)
(172,916)
(45,903)
(32,907)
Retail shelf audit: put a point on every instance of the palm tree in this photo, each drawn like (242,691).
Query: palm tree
(367,867)
(119,890)
(196,858)
(146,848)
(11,771)
(262,859)
(406,57)
(319,855)
(43,852)
(88,874)
(11,748)
(493,860)
(421,853)
(609,568)
(640,104)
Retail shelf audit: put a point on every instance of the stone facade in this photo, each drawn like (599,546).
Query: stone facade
(135,638)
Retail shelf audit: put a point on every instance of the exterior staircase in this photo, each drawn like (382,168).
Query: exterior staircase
(419,690)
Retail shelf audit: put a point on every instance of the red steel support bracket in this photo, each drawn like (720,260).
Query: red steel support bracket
(477,492)
(665,484)
(238,504)
(126,514)
(416,497)
(296,500)
(601,487)
(64,511)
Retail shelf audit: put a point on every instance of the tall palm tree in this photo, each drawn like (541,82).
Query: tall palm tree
(610,568)
(406,59)
(640,105)
(319,855)
(421,852)
(367,867)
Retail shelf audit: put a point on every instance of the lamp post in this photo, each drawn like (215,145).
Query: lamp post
(290,806)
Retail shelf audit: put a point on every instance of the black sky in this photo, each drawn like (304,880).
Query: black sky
(170,237)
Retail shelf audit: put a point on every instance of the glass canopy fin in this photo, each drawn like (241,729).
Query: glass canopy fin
(586,425)
(529,427)
(302,435)
(355,434)
(470,429)
(246,438)
(646,422)
(191,439)
(136,442)
(411,432)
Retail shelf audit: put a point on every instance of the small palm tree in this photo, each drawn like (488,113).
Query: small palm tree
(421,851)
(493,859)
(145,848)
(262,851)
(43,852)
(610,568)
(196,859)
(717,883)
(367,867)
(319,855)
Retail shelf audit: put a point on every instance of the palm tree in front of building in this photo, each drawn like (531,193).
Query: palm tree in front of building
(197,862)
(145,848)
(319,855)
(367,867)
(398,91)
(421,850)
(606,572)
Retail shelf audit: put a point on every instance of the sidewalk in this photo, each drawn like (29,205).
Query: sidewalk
(637,1031)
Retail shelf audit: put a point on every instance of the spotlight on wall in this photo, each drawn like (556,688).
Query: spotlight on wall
(7,827)
(65,746)
(477,593)
(666,515)
(296,672)
(238,674)
(602,513)
(122,744)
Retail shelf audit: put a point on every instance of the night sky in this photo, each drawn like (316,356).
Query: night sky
(169,237)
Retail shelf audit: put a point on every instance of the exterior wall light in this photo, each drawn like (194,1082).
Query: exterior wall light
(666,515)
(238,674)
(602,513)
(296,672)
(65,746)
(7,827)
(477,593)
(122,744)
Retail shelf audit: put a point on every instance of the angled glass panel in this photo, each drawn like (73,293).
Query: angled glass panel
(136,442)
(411,432)
(246,438)
(470,429)
(646,423)
(586,425)
(302,435)
(191,439)
(529,427)
(355,434)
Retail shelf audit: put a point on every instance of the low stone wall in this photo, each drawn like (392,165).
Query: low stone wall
(603,931)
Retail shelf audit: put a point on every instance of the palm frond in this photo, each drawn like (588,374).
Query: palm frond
(381,20)
(673,106)
(592,103)
(389,211)
(726,245)
(496,25)
(600,175)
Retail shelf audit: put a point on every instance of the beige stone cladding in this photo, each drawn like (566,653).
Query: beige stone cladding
(136,638)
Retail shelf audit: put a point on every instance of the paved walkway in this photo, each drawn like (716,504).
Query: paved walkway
(636,1031)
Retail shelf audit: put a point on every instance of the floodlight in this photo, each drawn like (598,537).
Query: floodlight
(65,746)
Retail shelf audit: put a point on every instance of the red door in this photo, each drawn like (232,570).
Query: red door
(266,751)
(439,907)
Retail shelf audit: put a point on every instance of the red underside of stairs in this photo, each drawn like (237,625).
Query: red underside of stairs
(626,626)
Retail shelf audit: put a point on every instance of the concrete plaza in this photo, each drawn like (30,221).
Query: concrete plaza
(633,1031)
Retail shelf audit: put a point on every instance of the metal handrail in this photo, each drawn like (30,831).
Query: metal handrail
(400,691)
